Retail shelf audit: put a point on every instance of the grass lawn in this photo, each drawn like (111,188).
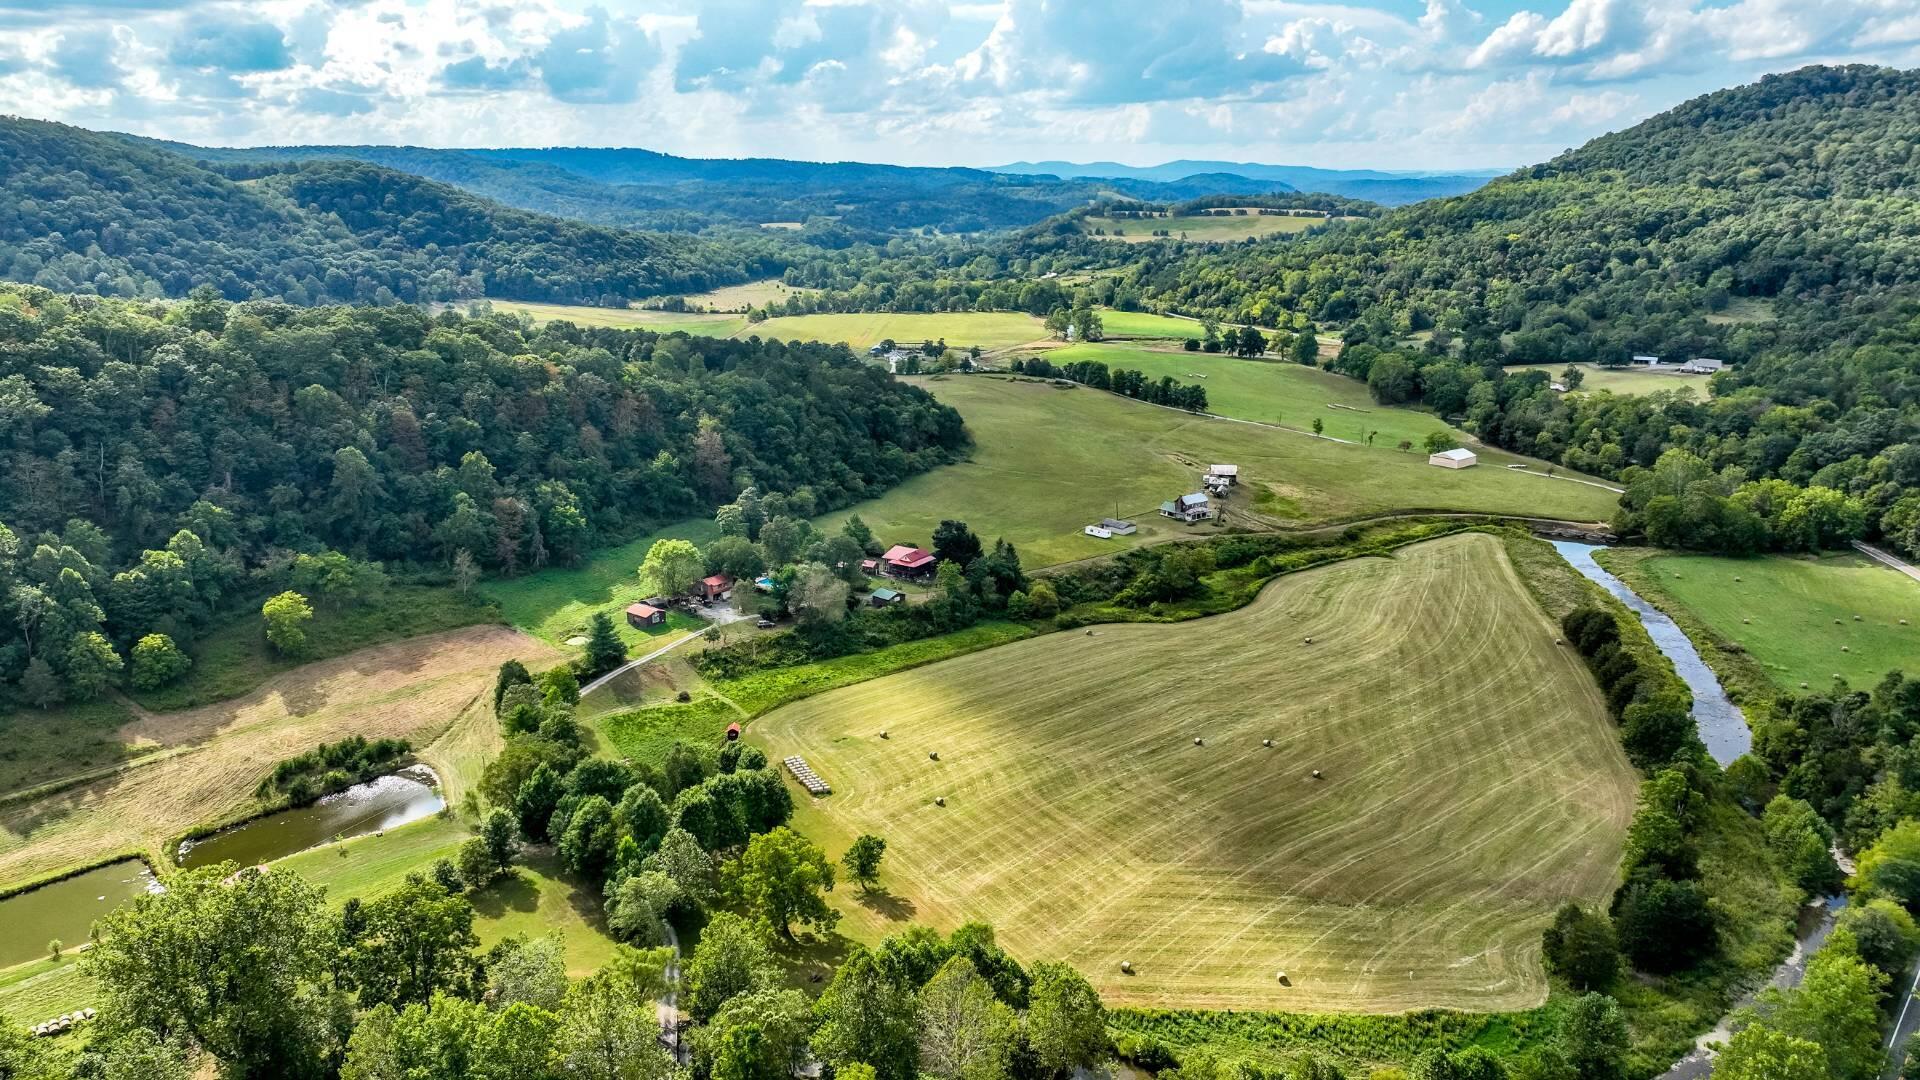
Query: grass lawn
(1202,227)
(39,746)
(1799,612)
(1145,324)
(370,865)
(665,322)
(1049,460)
(235,657)
(988,329)
(44,989)
(555,604)
(1472,784)
(1628,380)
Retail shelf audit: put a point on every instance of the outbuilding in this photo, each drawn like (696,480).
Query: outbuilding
(1457,458)
(886,598)
(641,616)
(714,587)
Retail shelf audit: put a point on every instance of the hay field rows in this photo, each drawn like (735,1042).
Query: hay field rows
(960,329)
(1628,380)
(410,689)
(1472,783)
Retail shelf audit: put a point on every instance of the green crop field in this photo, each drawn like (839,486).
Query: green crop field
(554,604)
(1050,460)
(1202,227)
(960,329)
(1278,392)
(1145,324)
(1629,380)
(1794,614)
(665,322)
(1471,783)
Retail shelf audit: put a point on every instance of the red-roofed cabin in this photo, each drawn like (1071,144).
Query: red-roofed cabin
(733,732)
(712,588)
(904,561)
(641,616)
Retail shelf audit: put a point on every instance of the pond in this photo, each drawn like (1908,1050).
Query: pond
(66,909)
(383,803)
(1722,725)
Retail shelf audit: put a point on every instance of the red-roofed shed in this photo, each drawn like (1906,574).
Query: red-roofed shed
(641,616)
(713,587)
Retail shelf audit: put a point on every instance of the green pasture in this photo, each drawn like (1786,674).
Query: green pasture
(1627,380)
(960,329)
(555,604)
(1201,227)
(665,322)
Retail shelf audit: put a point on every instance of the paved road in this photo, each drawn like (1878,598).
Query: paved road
(1889,559)
(1906,1025)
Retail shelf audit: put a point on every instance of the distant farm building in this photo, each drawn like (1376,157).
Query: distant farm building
(733,732)
(1224,475)
(1457,458)
(1098,532)
(641,616)
(1647,361)
(869,566)
(1188,508)
(713,588)
(886,597)
(1701,365)
(1558,388)
(907,562)
(1118,527)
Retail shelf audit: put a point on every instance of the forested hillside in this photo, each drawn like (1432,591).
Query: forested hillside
(152,454)
(91,213)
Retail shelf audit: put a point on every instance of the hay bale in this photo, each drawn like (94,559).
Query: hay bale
(1316,774)
(1126,967)
(1845,648)
(1281,978)
(933,755)
(883,734)
(1266,742)
(1197,741)
(1856,618)
(1308,641)
(1744,622)
(939,800)
(1803,686)
(1836,622)
(1736,577)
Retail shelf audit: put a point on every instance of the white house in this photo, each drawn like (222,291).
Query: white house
(1701,365)
(1188,508)
(1457,458)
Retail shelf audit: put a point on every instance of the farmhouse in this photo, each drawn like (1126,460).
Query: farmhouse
(907,562)
(1457,458)
(714,587)
(641,616)
(1701,365)
(1188,508)
(886,598)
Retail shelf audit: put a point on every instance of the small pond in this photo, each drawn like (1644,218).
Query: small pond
(1722,725)
(66,909)
(383,803)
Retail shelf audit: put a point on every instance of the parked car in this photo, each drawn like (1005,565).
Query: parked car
(765,624)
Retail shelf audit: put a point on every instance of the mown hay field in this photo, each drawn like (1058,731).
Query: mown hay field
(1626,380)
(959,329)
(1471,783)
(1202,226)
(206,762)
(1049,460)
(663,322)
(1794,614)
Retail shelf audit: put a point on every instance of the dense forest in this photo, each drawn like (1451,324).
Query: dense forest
(153,452)
(84,212)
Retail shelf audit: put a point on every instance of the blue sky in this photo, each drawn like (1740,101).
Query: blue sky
(1412,84)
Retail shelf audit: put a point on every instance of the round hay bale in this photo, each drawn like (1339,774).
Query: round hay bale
(1316,774)
(1836,622)
(933,755)
(1803,686)
(1308,641)
(1557,641)
(1266,742)
(883,734)
(1736,577)
(1126,967)
(1837,675)
(1197,741)
(1744,622)
(1089,633)
(1856,618)
(1845,648)
(1281,978)
(88,1013)
(939,800)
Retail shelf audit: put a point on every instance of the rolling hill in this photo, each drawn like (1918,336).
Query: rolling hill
(1385,188)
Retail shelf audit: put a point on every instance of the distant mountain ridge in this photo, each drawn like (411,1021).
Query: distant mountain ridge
(1386,188)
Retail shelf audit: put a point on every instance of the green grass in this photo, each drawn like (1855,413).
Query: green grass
(645,735)
(1628,380)
(1472,783)
(745,295)
(1145,324)
(1278,392)
(1049,460)
(39,746)
(555,604)
(370,865)
(1202,227)
(32,993)
(960,329)
(235,657)
(664,322)
(1790,604)
(764,690)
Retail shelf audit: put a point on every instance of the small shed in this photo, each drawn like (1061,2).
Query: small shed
(1118,527)
(733,732)
(641,616)
(1457,458)
(886,597)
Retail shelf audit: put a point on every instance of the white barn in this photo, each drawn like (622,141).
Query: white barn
(1457,458)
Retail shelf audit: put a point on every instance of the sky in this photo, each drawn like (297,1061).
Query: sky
(1391,84)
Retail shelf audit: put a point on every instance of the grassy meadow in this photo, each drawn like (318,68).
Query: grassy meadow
(1793,614)
(960,329)
(555,604)
(1146,324)
(664,322)
(743,296)
(1628,380)
(1049,460)
(1471,783)
(1201,226)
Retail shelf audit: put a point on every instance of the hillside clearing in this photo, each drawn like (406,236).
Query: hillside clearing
(212,757)
(1625,380)
(556,603)
(1213,228)
(959,329)
(1048,460)
(1472,783)
(663,322)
